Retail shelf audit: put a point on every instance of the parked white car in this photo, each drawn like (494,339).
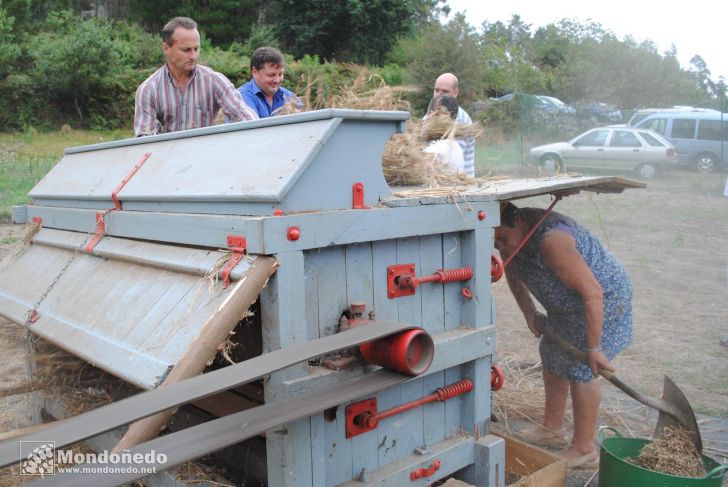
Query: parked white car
(640,151)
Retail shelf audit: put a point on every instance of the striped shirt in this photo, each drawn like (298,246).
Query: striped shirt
(161,107)
(467,145)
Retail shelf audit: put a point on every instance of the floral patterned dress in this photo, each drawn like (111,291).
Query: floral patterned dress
(564,307)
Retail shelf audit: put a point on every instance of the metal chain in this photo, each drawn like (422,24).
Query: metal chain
(32,313)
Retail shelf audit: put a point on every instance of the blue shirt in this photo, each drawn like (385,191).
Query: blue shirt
(255,98)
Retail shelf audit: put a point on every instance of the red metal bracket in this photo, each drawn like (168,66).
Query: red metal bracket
(362,409)
(115,194)
(401,280)
(239,246)
(398,272)
(421,473)
(100,232)
(358,197)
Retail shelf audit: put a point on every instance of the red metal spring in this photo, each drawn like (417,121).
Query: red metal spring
(459,387)
(460,274)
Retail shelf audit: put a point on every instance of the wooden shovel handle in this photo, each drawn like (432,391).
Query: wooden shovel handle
(634,394)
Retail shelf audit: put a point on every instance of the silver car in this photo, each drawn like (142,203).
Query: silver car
(640,151)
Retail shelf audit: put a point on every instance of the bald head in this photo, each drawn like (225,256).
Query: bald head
(446,84)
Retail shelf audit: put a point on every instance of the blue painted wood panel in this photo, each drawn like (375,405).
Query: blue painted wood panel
(433,320)
(408,426)
(360,288)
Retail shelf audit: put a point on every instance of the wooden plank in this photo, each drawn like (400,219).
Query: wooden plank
(477,248)
(476,251)
(408,427)
(452,258)
(454,453)
(433,320)
(331,289)
(224,403)
(384,254)
(360,288)
(490,462)
(508,189)
(318,451)
(266,235)
(282,306)
(312,265)
(534,465)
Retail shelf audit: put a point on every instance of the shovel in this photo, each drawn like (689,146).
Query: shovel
(674,408)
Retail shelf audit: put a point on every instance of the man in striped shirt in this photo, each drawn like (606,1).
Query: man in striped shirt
(447,84)
(182,94)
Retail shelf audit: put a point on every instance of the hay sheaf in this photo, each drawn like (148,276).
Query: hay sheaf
(406,164)
(673,453)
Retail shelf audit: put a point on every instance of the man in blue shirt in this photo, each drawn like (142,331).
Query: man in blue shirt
(264,93)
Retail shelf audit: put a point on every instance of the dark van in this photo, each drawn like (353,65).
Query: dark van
(701,139)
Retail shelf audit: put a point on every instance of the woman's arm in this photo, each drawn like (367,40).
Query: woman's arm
(534,319)
(559,253)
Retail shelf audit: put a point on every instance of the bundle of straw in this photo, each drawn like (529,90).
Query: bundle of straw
(406,164)
(673,453)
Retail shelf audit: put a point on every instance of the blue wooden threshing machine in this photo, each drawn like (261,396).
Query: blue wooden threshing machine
(130,230)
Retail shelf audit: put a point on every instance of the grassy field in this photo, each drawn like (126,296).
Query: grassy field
(26,157)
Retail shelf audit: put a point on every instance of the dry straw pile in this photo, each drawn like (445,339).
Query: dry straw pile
(673,453)
(406,164)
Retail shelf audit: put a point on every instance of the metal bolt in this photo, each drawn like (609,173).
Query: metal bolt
(294,234)
(422,450)
(487,341)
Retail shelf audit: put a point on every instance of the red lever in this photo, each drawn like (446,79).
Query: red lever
(496,268)
(363,416)
(496,378)
(421,473)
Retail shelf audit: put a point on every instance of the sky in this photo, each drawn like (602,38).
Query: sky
(696,30)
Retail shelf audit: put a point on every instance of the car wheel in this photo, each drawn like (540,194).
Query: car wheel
(646,171)
(551,162)
(706,163)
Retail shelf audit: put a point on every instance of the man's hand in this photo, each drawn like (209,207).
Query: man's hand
(536,322)
(597,360)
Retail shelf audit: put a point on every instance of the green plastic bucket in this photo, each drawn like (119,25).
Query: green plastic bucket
(615,471)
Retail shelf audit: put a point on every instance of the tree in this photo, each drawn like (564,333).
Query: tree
(508,54)
(9,50)
(361,31)
(453,47)
(222,21)
(73,60)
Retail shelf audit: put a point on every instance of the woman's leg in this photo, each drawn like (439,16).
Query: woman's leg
(585,400)
(556,391)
